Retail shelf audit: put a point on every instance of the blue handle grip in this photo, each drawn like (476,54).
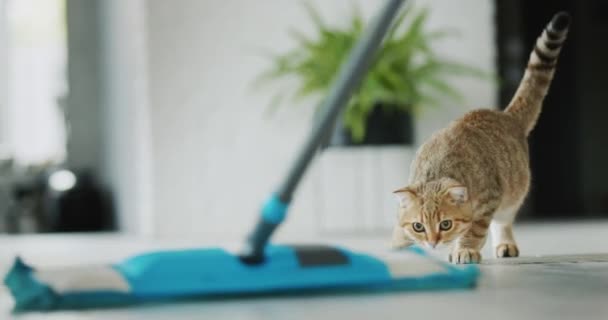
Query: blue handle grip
(274,210)
(273,213)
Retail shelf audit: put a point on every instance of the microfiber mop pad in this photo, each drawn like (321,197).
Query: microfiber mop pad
(163,275)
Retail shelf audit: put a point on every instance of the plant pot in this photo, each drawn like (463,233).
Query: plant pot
(384,126)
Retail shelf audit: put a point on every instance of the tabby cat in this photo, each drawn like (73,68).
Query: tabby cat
(474,175)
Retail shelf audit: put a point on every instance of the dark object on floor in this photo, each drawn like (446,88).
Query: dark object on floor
(59,200)
(83,207)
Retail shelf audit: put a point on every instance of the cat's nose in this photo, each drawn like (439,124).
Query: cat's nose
(431,244)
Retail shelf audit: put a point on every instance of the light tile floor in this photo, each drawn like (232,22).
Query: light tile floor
(563,275)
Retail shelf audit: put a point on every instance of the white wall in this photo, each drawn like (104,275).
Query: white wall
(215,155)
(4,130)
(83,110)
(126,156)
(475,46)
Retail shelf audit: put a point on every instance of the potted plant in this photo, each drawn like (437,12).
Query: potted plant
(406,76)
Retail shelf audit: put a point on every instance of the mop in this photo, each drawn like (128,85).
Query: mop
(260,268)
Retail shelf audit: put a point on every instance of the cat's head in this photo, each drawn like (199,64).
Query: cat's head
(433,213)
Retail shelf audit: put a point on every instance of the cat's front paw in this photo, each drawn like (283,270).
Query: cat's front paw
(507,250)
(464,256)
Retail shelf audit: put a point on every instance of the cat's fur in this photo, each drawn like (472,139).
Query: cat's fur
(475,173)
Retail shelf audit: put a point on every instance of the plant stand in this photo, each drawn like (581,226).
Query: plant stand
(355,188)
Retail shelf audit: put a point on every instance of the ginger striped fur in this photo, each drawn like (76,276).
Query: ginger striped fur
(473,176)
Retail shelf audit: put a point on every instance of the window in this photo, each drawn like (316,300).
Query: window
(37,84)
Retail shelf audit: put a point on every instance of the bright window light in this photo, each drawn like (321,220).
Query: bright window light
(62,180)
(37,59)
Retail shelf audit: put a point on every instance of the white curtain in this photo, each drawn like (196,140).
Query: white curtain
(37,59)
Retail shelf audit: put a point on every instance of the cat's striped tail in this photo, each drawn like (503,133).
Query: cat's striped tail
(528,99)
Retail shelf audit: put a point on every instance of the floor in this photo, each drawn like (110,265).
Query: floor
(562,275)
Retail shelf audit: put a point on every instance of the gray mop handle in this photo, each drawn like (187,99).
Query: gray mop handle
(351,73)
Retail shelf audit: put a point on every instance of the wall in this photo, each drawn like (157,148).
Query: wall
(127,160)
(591,106)
(5,190)
(216,155)
(4,131)
(162,109)
(83,110)
(107,104)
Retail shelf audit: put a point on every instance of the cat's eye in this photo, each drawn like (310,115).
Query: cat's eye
(445,225)
(418,227)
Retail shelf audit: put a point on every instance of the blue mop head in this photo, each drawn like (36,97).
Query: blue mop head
(164,275)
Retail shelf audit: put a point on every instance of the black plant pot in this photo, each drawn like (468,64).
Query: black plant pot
(384,126)
(86,207)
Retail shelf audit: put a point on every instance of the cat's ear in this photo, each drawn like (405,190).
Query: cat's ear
(458,194)
(405,196)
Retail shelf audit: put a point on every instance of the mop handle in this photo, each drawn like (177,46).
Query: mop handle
(349,77)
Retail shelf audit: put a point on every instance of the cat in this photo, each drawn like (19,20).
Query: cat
(474,175)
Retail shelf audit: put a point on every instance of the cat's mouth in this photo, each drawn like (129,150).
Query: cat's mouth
(438,246)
